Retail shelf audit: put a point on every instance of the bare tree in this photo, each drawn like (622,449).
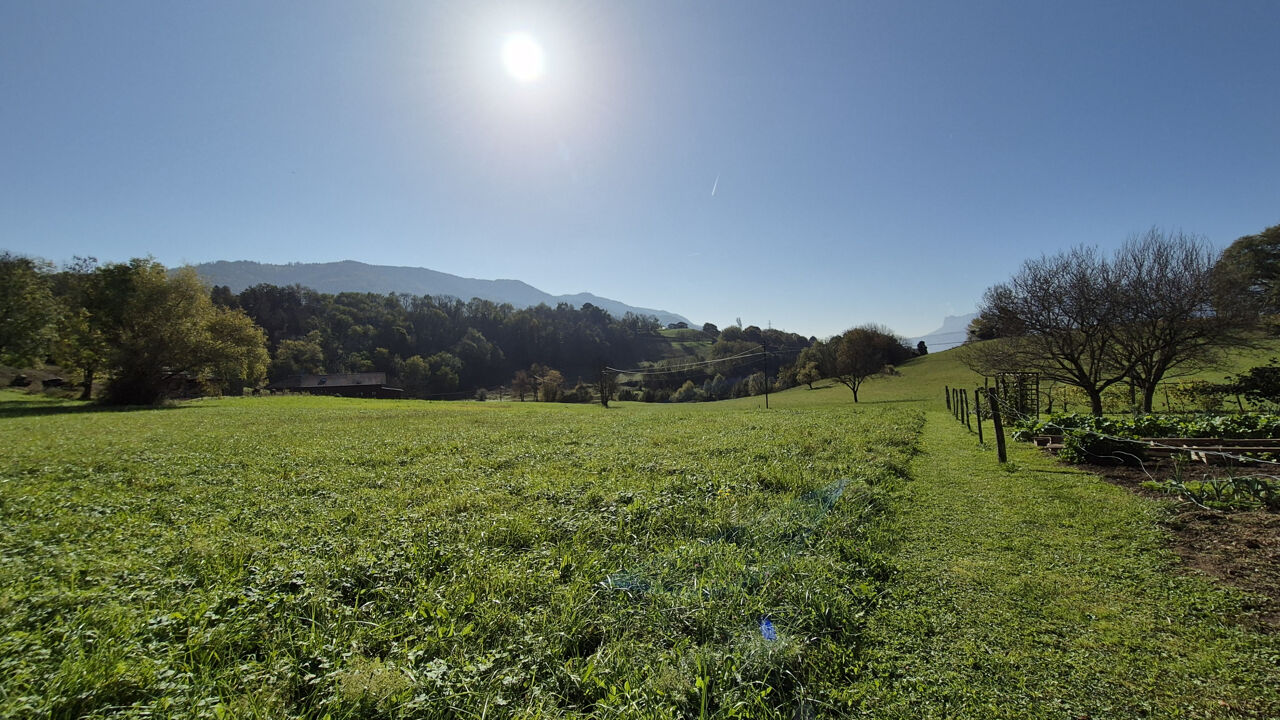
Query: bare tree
(606,385)
(1065,313)
(1154,311)
(1179,320)
(521,384)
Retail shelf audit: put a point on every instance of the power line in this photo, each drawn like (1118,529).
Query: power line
(746,354)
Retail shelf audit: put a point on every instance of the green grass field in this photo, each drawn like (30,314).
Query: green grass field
(311,557)
(305,557)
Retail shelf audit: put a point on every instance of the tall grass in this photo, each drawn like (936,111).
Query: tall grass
(311,557)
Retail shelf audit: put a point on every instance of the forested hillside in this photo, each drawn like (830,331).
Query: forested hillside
(439,346)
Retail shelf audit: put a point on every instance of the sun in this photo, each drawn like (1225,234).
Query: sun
(522,56)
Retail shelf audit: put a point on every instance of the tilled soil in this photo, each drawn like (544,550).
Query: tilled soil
(1241,549)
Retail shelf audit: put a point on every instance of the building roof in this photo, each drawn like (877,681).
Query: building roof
(331,380)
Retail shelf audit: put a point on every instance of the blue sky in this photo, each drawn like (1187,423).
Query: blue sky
(876,162)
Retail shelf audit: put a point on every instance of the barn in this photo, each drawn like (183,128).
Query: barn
(362,385)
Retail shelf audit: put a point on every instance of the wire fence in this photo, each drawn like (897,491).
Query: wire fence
(972,414)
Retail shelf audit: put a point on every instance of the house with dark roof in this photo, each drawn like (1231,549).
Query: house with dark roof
(362,385)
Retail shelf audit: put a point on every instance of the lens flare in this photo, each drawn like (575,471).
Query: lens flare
(522,56)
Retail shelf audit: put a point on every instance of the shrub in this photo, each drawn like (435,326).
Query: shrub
(1082,446)
(687,393)
(1198,395)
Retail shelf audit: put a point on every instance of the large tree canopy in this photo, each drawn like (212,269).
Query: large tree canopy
(27,311)
(1254,259)
(858,354)
(163,333)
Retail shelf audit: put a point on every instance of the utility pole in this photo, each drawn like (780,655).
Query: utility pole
(764,343)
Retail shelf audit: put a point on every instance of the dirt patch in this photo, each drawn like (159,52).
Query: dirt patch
(1241,549)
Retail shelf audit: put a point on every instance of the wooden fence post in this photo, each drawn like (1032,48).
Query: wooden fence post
(995,420)
(977,403)
(947,394)
(967,422)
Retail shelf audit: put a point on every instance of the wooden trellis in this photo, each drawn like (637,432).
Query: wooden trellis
(1019,392)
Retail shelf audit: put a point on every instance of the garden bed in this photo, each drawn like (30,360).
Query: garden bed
(1240,548)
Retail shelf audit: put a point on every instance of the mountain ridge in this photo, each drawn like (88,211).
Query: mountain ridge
(356,276)
(952,333)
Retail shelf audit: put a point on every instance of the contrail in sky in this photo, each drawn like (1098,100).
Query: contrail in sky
(715,184)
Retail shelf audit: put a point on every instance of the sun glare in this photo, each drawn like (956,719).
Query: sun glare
(522,57)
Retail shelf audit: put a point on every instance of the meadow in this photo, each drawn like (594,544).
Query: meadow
(311,557)
(327,558)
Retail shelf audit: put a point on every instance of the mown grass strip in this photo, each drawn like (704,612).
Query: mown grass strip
(1036,591)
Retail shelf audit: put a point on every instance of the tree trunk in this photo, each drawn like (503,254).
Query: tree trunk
(87,393)
(1095,401)
(1148,397)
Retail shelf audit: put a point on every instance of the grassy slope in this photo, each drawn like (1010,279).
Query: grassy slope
(680,344)
(1039,591)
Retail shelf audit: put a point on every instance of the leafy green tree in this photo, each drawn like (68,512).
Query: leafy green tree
(222,296)
(415,375)
(809,373)
(786,378)
(1256,260)
(164,332)
(688,392)
(237,353)
(550,385)
(446,369)
(478,355)
(865,351)
(81,342)
(298,357)
(1261,384)
(717,388)
(27,311)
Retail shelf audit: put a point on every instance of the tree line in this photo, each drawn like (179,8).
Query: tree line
(149,333)
(1163,305)
(145,333)
(435,345)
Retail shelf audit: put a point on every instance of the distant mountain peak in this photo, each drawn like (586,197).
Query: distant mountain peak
(952,333)
(356,276)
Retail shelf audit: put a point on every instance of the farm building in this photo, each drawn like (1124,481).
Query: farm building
(363,385)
